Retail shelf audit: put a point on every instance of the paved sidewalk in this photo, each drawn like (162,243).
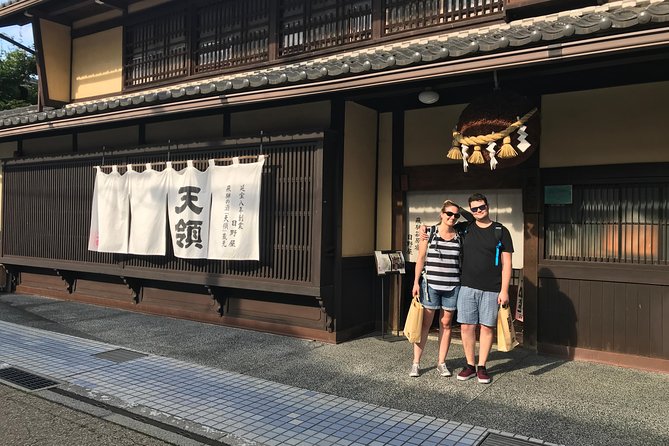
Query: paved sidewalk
(562,402)
(223,402)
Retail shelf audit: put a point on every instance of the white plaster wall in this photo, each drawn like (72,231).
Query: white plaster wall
(384,203)
(605,126)
(428,133)
(359,181)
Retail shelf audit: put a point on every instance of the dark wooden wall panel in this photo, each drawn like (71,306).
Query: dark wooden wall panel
(631,316)
(665,326)
(361,295)
(626,318)
(573,293)
(643,320)
(608,312)
(655,321)
(296,315)
(47,282)
(178,301)
(112,291)
(597,315)
(583,313)
(619,317)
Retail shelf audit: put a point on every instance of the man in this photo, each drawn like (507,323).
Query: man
(485,277)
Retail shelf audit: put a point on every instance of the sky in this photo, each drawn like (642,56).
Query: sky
(22,34)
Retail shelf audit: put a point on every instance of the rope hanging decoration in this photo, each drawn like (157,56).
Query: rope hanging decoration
(490,126)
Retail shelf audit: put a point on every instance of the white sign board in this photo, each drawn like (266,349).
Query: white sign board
(506,207)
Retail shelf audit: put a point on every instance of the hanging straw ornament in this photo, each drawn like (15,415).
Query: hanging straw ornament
(507,150)
(454,153)
(477,157)
(495,120)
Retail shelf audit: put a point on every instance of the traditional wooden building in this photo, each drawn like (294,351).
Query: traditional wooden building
(355,101)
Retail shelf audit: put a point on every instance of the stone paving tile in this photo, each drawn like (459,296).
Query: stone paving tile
(251,408)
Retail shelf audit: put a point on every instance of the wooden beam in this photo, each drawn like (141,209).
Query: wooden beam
(114,4)
(73,6)
(42,86)
(15,43)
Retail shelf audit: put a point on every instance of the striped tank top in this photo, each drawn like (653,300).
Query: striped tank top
(442,265)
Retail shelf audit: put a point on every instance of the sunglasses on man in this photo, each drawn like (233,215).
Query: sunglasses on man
(483,207)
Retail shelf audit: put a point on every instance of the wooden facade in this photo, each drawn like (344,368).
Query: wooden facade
(329,90)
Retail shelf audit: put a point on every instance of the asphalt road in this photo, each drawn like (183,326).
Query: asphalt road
(44,419)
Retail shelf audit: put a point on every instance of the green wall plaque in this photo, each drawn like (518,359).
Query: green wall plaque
(560,194)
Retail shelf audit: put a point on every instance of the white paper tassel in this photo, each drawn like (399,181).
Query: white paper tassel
(465,155)
(522,145)
(491,152)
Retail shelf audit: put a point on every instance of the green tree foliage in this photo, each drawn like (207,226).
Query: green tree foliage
(18,80)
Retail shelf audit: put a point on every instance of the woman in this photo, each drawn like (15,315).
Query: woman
(440,255)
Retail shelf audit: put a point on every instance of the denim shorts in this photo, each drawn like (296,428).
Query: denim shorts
(434,299)
(477,307)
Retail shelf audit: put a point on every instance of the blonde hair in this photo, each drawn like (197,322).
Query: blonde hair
(448,203)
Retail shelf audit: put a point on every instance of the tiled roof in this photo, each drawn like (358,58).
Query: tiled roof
(4,114)
(9,2)
(565,26)
(16,3)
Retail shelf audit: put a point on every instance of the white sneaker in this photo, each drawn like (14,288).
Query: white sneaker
(414,371)
(443,370)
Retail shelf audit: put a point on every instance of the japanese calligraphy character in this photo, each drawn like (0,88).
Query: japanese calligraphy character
(188,233)
(189,198)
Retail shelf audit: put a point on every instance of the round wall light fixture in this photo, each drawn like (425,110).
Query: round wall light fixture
(428,96)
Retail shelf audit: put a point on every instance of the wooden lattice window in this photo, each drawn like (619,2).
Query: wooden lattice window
(312,25)
(47,223)
(214,35)
(403,15)
(610,223)
(157,49)
(231,33)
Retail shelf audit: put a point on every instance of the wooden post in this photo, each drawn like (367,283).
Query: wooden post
(273,18)
(532,205)
(377,19)
(398,223)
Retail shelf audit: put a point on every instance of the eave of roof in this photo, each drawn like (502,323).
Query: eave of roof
(10,7)
(527,41)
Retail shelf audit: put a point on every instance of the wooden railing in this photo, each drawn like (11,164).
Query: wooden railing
(231,33)
(212,36)
(401,15)
(312,25)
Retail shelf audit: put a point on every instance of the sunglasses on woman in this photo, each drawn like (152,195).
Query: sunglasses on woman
(452,214)
(483,207)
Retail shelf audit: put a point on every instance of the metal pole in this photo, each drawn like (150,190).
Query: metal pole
(382,299)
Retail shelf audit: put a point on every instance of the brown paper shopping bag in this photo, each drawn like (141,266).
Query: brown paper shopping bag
(506,334)
(414,322)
